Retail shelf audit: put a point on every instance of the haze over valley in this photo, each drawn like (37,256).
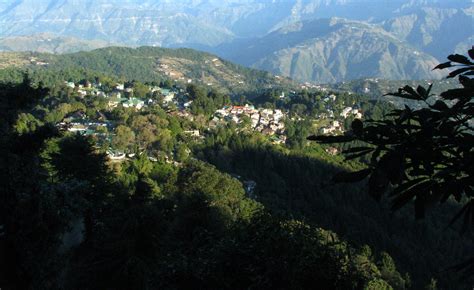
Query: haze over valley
(308,40)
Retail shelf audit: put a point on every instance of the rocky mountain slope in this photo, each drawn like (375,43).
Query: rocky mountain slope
(332,50)
(400,38)
(438,32)
(129,22)
(188,22)
(46,42)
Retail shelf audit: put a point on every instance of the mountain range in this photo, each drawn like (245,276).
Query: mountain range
(309,40)
(333,50)
(47,42)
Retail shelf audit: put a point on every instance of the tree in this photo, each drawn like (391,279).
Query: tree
(422,156)
(389,272)
(26,123)
(164,141)
(298,109)
(33,214)
(167,84)
(246,121)
(195,91)
(223,193)
(425,154)
(182,152)
(145,130)
(140,90)
(124,137)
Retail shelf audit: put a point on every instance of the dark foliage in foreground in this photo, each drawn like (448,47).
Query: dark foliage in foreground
(69,222)
(424,156)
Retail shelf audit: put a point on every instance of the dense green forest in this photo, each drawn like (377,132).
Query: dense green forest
(70,220)
(225,209)
(297,184)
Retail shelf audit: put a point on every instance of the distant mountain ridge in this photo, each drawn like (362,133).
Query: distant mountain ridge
(334,50)
(438,32)
(432,28)
(188,22)
(47,42)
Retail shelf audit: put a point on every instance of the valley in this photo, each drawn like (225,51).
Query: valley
(161,136)
(236,144)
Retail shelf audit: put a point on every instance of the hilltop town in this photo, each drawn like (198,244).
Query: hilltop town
(176,101)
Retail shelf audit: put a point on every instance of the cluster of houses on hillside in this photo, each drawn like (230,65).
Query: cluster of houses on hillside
(335,126)
(127,103)
(308,85)
(267,121)
(121,95)
(87,89)
(350,111)
(78,122)
(100,128)
(36,61)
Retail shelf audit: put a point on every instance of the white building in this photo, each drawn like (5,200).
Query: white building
(70,85)
(346,112)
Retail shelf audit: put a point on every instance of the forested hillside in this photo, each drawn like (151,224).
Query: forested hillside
(71,219)
(145,183)
(148,64)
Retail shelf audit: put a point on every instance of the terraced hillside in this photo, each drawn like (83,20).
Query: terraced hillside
(154,64)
